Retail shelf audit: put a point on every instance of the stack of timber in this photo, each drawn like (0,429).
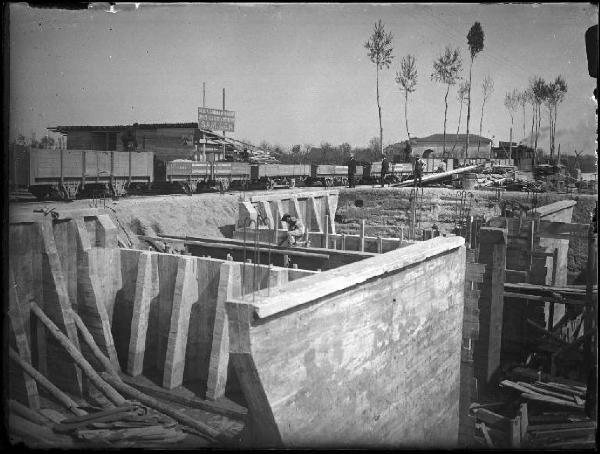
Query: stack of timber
(539,411)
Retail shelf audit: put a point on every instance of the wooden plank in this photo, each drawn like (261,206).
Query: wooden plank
(526,296)
(540,390)
(492,419)
(566,425)
(184,295)
(26,412)
(146,289)
(225,408)
(552,227)
(194,423)
(551,400)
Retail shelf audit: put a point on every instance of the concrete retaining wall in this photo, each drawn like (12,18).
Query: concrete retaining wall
(364,355)
(158,314)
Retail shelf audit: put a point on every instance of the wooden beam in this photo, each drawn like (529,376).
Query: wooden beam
(527,296)
(551,227)
(89,340)
(61,397)
(227,408)
(17,326)
(169,410)
(73,351)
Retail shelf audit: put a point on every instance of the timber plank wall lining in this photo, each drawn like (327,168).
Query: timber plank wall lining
(377,315)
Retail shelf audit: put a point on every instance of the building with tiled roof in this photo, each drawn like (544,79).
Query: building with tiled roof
(433,146)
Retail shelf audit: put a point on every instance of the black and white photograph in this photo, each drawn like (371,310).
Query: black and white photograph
(300,226)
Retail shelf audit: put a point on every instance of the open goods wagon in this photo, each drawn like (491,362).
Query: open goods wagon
(65,174)
(331,175)
(192,175)
(277,175)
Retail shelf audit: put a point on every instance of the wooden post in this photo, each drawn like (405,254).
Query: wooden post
(379,244)
(515,432)
(326,231)
(343,241)
(589,325)
(524,421)
(551,304)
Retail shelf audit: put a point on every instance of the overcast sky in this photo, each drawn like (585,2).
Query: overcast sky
(295,73)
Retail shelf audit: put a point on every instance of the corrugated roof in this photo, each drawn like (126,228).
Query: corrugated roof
(451,138)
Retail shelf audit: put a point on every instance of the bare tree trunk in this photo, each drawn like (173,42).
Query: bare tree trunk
(510,143)
(532,123)
(445,118)
(457,129)
(537,126)
(406,113)
(469,108)
(550,134)
(524,127)
(480,127)
(379,110)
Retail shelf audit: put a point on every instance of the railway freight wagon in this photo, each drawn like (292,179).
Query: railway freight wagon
(270,176)
(190,176)
(331,175)
(65,174)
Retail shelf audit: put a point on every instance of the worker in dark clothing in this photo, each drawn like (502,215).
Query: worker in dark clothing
(418,170)
(351,172)
(385,168)
(295,229)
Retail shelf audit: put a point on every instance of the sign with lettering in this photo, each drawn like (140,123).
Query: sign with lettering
(216,119)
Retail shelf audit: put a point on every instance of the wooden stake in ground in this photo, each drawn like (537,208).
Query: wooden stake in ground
(46,384)
(89,371)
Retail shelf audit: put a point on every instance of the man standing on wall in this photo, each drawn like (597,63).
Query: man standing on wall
(385,168)
(418,170)
(351,172)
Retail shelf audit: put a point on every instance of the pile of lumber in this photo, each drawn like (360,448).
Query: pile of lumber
(540,411)
(124,426)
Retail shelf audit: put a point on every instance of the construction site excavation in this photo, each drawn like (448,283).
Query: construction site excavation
(188,285)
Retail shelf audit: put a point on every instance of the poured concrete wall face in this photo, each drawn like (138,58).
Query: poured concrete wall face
(364,355)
